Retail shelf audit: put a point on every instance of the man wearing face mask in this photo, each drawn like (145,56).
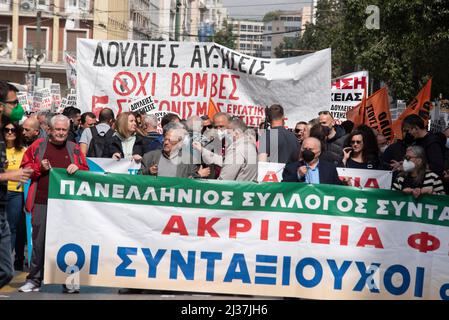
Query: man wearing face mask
(414,125)
(310,168)
(240,160)
(10,110)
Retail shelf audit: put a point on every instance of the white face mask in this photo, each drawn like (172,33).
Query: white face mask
(221,133)
(408,165)
(447,143)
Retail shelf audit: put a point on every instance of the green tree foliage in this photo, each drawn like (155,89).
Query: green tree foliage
(225,36)
(271,16)
(411,44)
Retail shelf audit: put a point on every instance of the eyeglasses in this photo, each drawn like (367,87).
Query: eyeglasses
(356,142)
(408,158)
(14,102)
(12,130)
(297,130)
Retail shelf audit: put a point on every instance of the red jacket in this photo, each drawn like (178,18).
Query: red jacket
(33,157)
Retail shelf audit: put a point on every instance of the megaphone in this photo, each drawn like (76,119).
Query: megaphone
(40,59)
(5,48)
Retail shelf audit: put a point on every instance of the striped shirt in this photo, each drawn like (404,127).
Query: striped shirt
(431,180)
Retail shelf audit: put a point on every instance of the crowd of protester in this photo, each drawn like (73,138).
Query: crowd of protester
(222,147)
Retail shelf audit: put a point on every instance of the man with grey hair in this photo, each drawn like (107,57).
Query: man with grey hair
(168,162)
(153,140)
(41,156)
(240,159)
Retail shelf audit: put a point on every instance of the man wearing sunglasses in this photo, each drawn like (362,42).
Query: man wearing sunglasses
(8,103)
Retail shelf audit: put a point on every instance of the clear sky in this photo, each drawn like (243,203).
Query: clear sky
(256,9)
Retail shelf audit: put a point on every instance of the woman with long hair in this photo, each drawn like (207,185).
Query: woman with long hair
(361,151)
(415,178)
(127,142)
(12,135)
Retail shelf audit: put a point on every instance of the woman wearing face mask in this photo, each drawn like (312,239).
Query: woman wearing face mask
(362,151)
(416,179)
(15,150)
(126,142)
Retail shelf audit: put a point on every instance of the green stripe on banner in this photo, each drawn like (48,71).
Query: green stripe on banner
(244,196)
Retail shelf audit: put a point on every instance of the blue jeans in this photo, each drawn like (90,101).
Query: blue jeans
(14,209)
(6,270)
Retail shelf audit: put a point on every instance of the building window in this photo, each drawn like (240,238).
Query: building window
(269,28)
(77,4)
(71,36)
(243,27)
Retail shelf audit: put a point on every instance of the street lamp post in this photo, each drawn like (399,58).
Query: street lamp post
(29,51)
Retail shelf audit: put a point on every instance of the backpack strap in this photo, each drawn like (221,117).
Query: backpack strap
(110,133)
(41,149)
(94,131)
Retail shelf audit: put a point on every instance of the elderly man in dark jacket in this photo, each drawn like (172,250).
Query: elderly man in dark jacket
(310,168)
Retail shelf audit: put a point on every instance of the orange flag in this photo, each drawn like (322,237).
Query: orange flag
(212,109)
(376,113)
(415,107)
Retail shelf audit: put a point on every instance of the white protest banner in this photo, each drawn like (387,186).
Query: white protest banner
(42,100)
(183,76)
(272,239)
(70,63)
(56,95)
(104,165)
(144,105)
(379,179)
(347,92)
(23,100)
(269,171)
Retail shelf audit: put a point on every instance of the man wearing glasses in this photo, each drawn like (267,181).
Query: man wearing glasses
(301,131)
(8,103)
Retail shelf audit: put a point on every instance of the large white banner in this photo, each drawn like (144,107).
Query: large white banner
(347,92)
(272,239)
(183,76)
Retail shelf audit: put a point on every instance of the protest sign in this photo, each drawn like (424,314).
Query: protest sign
(182,77)
(44,82)
(144,105)
(347,92)
(70,63)
(42,100)
(30,80)
(273,239)
(56,95)
(23,100)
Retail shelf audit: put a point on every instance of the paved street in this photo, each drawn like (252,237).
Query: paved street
(54,292)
